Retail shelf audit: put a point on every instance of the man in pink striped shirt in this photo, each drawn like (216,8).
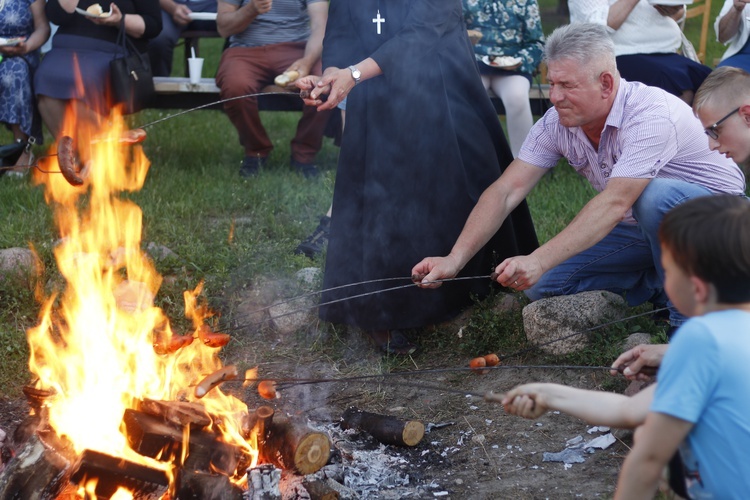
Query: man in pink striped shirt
(640,147)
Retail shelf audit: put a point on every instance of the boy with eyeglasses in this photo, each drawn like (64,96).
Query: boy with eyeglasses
(722,104)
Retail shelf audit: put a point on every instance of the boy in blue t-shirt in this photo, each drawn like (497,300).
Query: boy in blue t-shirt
(701,402)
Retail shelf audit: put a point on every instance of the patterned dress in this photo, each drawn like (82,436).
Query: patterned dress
(509,28)
(16,96)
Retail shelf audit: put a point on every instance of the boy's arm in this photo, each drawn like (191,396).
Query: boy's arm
(655,443)
(595,407)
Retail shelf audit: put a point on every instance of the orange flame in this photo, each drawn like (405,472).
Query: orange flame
(94,343)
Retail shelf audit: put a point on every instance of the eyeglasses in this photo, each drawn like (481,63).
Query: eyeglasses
(712,132)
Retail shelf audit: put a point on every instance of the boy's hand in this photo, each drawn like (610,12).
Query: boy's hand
(639,357)
(525,401)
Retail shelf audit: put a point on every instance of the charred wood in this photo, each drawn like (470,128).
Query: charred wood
(385,428)
(205,486)
(35,473)
(263,483)
(111,473)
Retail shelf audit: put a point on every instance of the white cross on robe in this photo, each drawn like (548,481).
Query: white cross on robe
(378,20)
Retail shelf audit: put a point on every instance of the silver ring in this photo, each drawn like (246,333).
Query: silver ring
(515,282)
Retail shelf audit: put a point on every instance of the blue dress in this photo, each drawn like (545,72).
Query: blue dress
(17,105)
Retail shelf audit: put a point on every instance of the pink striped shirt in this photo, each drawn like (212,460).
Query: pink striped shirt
(648,134)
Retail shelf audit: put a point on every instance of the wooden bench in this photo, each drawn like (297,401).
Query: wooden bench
(179,93)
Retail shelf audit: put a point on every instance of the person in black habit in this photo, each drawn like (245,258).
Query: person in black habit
(421,143)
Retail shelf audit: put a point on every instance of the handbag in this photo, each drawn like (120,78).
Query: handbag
(130,75)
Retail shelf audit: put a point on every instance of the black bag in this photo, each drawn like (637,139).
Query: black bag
(131,76)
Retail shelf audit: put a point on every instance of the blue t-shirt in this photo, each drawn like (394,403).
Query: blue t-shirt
(705,379)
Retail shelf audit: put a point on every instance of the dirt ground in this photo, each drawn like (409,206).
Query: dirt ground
(472,450)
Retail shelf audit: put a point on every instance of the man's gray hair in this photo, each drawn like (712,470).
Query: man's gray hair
(587,43)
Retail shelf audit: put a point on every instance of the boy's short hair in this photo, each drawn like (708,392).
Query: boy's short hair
(709,237)
(725,83)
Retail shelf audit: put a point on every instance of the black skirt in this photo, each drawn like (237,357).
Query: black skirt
(671,72)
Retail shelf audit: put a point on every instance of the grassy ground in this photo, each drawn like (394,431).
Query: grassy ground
(194,199)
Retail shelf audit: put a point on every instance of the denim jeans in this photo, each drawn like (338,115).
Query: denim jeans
(628,260)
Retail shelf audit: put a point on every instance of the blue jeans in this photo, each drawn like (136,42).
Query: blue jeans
(628,260)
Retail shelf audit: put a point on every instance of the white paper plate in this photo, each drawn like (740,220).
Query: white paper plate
(670,3)
(10,42)
(502,62)
(202,16)
(84,13)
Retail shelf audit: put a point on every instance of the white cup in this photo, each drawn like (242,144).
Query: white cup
(195,67)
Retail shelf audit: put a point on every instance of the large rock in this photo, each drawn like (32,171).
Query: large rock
(17,263)
(558,325)
(636,339)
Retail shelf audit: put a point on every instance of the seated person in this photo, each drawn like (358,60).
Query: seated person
(700,403)
(732,28)
(27,21)
(267,39)
(510,28)
(646,38)
(175,18)
(82,49)
(641,148)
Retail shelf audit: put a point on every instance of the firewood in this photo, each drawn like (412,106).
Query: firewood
(196,485)
(177,412)
(263,483)
(319,490)
(385,428)
(34,473)
(290,444)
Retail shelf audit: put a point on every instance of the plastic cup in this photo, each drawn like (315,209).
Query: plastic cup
(195,68)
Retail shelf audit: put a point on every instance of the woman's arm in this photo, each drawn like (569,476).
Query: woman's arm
(729,24)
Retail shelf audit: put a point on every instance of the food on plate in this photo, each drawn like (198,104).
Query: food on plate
(505,61)
(95,10)
(286,78)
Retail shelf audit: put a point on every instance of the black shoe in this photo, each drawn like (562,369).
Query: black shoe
(393,342)
(251,165)
(309,170)
(316,242)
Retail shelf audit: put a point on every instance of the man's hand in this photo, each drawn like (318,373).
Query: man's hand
(336,83)
(262,6)
(520,272)
(181,14)
(432,269)
(526,401)
(640,356)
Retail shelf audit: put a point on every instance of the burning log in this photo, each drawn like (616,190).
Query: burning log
(177,412)
(319,490)
(111,473)
(288,444)
(195,485)
(153,437)
(34,473)
(386,429)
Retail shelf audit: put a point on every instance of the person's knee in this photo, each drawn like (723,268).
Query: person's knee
(659,197)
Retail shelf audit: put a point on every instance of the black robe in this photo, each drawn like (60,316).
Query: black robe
(421,143)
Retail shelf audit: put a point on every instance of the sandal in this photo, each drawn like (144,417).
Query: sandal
(393,342)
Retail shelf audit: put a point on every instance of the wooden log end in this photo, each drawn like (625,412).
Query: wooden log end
(312,453)
(413,432)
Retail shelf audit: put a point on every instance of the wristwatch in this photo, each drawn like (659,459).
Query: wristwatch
(356,74)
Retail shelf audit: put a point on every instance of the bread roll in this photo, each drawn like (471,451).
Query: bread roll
(95,10)
(286,78)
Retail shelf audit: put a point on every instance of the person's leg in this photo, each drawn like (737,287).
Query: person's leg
(513,90)
(161,48)
(621,263)
(53,113)
(244,71)
(659,197)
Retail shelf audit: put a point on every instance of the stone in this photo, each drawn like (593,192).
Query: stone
(558,325)
(636,339)
(17,263)
(159,252)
